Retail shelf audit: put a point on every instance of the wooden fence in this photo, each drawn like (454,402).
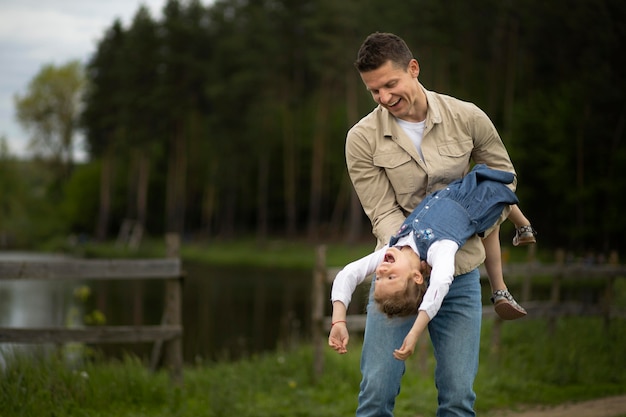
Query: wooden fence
(558,273)
(167,336)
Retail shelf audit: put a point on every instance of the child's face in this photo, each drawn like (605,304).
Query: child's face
(398,268)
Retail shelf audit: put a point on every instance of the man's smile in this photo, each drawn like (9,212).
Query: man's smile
(394,103)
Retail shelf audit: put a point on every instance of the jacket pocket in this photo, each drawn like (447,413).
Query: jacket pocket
(456,149)
(400,170)
(455,156)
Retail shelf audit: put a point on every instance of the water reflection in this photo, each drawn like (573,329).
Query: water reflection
(33,303)
(233,312)
(25,303)
(228,313)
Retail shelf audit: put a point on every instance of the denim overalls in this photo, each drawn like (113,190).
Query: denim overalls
(465,207)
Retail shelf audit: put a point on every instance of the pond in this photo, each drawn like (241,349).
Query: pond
(228,312)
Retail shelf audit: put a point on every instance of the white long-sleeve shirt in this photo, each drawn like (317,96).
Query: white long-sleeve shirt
(440,257)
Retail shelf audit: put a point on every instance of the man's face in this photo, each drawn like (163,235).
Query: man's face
(396,89)
(398,268)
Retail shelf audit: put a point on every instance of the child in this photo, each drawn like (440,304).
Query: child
(429,237)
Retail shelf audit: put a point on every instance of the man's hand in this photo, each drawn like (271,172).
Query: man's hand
(339,337)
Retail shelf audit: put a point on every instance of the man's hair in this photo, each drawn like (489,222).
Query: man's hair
(402,303)
(378,48)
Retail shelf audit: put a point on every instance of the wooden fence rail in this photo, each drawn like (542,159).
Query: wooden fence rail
(324,275)
(167,336)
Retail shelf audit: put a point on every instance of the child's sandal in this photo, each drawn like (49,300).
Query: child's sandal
(524,235)
(506,307)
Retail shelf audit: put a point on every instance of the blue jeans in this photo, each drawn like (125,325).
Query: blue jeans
(455,335)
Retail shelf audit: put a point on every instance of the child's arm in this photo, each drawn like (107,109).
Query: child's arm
(441,258)
(344,285)
(353,274)
(339,337)
(408,346)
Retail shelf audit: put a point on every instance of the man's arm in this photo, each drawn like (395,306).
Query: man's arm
(488,146)
(373,188)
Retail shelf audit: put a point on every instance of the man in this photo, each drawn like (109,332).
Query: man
(413,143)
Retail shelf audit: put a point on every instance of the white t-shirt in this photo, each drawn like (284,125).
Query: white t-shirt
(415,131)
(440,257)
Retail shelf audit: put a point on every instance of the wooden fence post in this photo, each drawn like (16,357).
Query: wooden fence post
(173,314)
(608,291)
(317,313)
(527,283)
(555,292)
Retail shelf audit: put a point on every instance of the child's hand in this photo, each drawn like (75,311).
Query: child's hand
(407,348)
(338,338)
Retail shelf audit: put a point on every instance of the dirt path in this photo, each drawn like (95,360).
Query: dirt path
(603,407)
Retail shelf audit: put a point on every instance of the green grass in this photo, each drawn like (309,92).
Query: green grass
(536,363)
(275,253)
(577,359)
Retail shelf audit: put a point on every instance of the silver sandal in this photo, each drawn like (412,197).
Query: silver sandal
(524,235)
(506,307)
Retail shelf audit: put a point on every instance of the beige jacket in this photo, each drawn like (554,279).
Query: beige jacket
(391,179)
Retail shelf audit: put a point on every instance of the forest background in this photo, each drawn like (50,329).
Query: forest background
(229,120)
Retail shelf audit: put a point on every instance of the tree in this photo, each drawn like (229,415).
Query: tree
(11,189)
(50,109)
(103,117)
(185,51)
(141,51)
(234,115)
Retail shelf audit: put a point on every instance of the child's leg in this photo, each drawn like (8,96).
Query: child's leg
(524,232)
(517,217)
(493,260)
(505,305)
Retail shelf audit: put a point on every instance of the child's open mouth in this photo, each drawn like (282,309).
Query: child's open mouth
(389,258)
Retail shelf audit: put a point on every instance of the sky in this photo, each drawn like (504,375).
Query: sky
(34,33)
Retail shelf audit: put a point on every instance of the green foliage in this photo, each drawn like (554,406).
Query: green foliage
(50,110)
(29,215)
(270,385)
(244,252)
(230,118)
(578,359)
(274,253)
(14,201)
(552,362)
(80,205)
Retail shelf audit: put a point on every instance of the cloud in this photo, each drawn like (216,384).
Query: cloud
(34,33)
(42,32)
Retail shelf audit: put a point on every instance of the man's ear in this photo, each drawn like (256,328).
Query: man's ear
(414,68)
